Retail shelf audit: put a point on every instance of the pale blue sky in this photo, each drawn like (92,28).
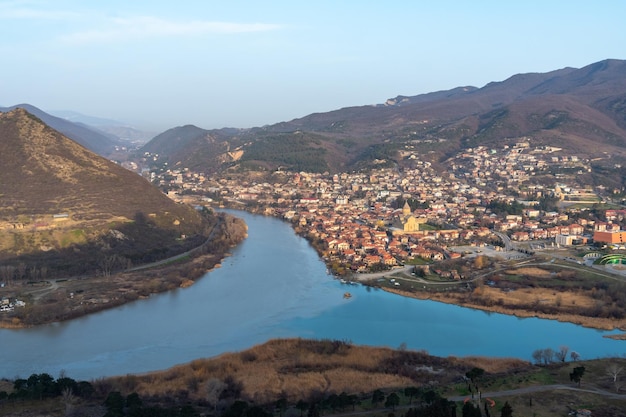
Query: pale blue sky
(250,63)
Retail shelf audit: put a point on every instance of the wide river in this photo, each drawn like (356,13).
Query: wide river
(274,285)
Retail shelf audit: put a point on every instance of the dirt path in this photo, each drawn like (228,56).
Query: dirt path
(46,287)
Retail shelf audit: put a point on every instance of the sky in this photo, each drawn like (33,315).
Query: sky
(160,64)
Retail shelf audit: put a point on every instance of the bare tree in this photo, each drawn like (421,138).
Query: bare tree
(68,399)
(574,355)
(561,354)
(613,370)
(548,356)
(6,274)
(108,264)
(214,388)
(21,270)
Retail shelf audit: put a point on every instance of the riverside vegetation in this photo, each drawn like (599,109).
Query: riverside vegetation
(51,300)
(294,377)
(531,287)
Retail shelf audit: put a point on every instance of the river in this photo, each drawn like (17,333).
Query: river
(274,285)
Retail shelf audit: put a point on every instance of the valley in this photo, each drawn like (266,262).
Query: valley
(497,204)
(508,199)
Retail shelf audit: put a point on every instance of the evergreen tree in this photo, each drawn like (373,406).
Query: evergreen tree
(377,397)
(392,401)
(577,374)
(302,405)
(114,404)
(507,410)
(470,410)
(313,411)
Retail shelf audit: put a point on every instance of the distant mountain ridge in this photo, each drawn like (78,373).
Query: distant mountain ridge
(583,110)
(116,129)
(89,138)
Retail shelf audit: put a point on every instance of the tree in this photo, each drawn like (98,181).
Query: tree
(68,400)
(613,370)
(302,405)
(574,356)
(281,406)
(237,409)
(411,392)
(7,272)
(507,410)
(333,401)
(313,411)
(133,401)
(392,401)
(577,374)
(214,388)
(84,389)
(114,404)
(257,411)
(481,261)
(353,400)
(548,356)
(430,396)
(474,374)
(470,410)
(188,411)
(561,354)
(377,397)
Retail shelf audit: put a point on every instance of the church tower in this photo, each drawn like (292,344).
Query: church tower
(406,210)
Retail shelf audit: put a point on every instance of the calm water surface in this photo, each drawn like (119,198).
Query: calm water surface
(274,285)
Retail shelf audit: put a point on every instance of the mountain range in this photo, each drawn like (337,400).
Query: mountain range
(581,110)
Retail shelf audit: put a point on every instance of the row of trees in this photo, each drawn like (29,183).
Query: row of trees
(429,404)
(43,386)
(549,356)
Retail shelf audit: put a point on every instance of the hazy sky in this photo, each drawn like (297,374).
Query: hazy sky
(250,63)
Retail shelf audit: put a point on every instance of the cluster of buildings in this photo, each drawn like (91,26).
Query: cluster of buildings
(8,305)
(388,216)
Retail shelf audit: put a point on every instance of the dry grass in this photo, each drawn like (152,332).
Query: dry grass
(303,369)
(523,303)
(530,271)
(525,296)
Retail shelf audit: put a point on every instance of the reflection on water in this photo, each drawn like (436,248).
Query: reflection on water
(274,285)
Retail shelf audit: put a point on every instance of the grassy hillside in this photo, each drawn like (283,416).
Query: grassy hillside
(67,208)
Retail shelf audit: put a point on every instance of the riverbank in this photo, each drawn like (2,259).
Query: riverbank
(461,300)
(65,299)
(495,300)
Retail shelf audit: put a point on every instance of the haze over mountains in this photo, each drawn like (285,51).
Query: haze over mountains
(582,110)
(89,138)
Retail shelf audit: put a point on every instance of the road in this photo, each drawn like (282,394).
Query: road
(505,393)
(180,255)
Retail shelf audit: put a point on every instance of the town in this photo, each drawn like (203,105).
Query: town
(363,222)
